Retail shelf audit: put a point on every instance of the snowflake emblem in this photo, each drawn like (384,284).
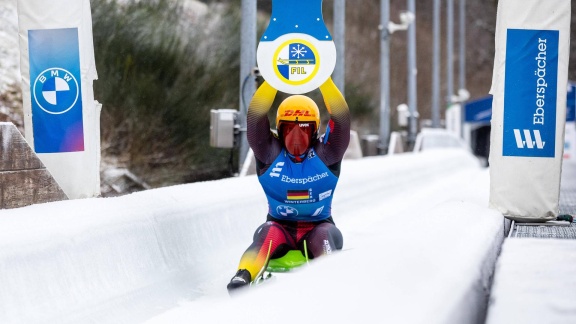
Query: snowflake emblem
(298,51)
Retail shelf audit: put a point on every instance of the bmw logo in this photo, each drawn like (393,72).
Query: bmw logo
(56,90)
(286,211)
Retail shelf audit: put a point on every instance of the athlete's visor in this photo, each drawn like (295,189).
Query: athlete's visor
(297,136)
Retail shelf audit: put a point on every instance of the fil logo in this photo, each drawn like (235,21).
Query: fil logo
(277,169)
(296,61)
(527,141)
(56,90)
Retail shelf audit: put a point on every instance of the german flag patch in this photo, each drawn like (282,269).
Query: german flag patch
(298,194)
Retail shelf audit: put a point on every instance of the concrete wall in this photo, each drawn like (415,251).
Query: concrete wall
(24,180)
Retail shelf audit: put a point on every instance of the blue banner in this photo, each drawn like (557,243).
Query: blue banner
(479,110)
(571,102)
(530,92)
(55,87)
(296,16)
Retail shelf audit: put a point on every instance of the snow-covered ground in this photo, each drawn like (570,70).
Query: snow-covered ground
(419,247)
(535,282)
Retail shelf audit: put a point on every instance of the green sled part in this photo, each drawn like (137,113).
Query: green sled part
(291,260)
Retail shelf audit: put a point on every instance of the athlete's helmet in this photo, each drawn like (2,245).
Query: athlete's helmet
(297,123)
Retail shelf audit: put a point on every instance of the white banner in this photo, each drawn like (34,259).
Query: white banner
(529,107)
(61,118)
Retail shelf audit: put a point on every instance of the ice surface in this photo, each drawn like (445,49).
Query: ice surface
(420,244)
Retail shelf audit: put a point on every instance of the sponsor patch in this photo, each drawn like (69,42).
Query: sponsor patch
(318,211)
(286,211)
(325,195)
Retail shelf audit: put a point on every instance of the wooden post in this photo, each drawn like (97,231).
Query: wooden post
(24,180)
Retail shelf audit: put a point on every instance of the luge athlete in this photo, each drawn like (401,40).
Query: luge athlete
(298,172)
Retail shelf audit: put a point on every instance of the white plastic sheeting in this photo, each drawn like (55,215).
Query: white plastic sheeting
(75,170)
(529,107)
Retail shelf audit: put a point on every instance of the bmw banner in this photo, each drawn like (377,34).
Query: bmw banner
(61,117)
(529,108)
(55,90)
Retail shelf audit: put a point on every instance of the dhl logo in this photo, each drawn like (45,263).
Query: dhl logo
(298,113)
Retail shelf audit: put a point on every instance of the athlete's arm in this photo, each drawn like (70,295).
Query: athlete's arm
(335,142)
(263,143)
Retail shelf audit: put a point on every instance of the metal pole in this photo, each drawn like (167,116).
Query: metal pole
(449,50)
(384,77)
(462,44)
(339,40)
(436,67)
(247,63)
(462,67)
(412,72)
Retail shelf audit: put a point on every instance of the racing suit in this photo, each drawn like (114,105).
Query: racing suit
(299,193)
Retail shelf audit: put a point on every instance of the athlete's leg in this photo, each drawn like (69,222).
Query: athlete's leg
(255,256)
(324,238)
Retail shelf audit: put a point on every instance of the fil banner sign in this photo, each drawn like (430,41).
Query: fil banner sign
(529,88)
(56,91)
(530,93)
(296,53)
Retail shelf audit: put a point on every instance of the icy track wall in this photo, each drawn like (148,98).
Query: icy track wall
(80,259)
(130,258)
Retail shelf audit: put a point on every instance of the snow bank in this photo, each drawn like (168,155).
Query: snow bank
(419,241)
(535,282)
(102,259)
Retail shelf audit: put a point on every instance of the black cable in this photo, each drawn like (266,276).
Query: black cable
(231,162)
